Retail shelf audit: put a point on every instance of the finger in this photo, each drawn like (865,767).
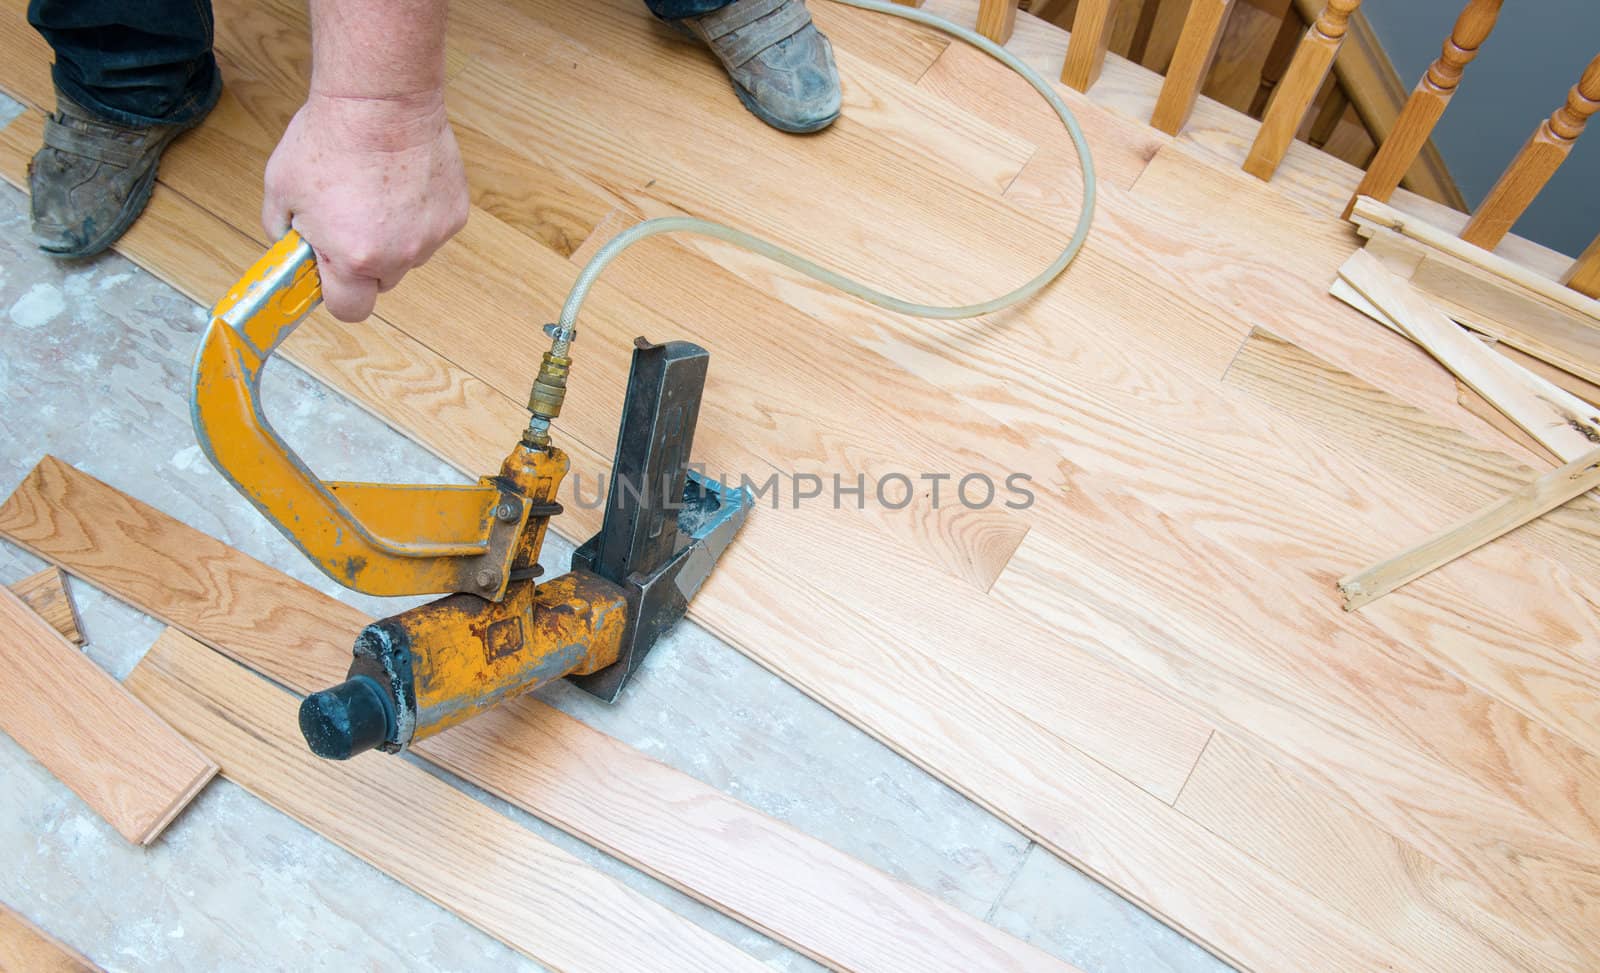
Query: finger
(348,297)
(275,214)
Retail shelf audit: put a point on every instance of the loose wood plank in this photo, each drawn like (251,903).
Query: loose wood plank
(126,764)
(500,877)
(1568,426)
(829,906)
(25,948)
(45,593)
(1535,499)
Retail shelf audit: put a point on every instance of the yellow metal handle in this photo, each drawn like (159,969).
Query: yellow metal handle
(382,539)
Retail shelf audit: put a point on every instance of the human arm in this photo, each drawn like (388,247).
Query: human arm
(368,170)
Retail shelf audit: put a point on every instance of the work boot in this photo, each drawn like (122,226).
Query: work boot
(92,178)
(780,64)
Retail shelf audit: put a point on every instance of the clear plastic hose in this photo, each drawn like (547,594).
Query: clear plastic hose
(566,329)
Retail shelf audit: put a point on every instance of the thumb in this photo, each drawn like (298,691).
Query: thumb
(276,216)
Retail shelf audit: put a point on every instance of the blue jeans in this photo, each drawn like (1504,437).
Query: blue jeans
(148,62)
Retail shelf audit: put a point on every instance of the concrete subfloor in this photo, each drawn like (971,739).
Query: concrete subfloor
(94,368)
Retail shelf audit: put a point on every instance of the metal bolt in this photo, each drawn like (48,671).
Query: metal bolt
(488,579)
(507,511)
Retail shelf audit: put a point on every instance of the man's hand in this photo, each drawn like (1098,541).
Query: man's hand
(374,184)
(368,170)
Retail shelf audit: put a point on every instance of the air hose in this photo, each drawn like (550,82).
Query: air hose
(563,332)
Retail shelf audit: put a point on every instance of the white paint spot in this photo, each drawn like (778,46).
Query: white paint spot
(112,280)
(186,459)
(38,307)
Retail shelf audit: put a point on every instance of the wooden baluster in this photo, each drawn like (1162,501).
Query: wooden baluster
(1300,84)
(1283,45)
(1584,277)
(996,18)
(1191,62)
(1086,49)
(1427,103)
(1535,164)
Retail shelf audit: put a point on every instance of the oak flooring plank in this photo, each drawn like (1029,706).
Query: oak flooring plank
(498,876)
(25,948)
(1359,868)
(716,849)
(120,758)
(1452,468)
(45,594)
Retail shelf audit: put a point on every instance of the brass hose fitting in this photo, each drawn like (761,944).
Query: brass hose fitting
(549,391)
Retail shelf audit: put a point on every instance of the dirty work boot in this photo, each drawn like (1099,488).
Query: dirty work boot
(92,178)
(781,65)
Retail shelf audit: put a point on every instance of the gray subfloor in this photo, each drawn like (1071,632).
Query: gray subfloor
(94,366)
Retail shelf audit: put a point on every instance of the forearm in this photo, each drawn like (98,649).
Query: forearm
(381,50)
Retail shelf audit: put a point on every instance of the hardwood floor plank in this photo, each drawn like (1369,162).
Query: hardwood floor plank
(830,906)
(500,877)
(125,763)
(26,948)
(45,594)
(1359,868)
(1450,467)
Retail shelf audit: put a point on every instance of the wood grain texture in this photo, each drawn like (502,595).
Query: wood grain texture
(502,878)
(1535,499)
(1568,426)
(1527,270)
(1086,52)
(25,948)
(45,594)
(1453,716)
(1584,274)
(1405,141)
(1546,149)
(127,765)
(1197,47)
(829,906)
(1456,471)
(1292,96)
(996,19)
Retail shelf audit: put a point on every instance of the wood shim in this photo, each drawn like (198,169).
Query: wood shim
(77,721)
(1537,498)
(25,948)
(497,875)
(45,592)
(1566,425)
(828,905)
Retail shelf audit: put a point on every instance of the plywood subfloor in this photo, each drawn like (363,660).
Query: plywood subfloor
(1147,669)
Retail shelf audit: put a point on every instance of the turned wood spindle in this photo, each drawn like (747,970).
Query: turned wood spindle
(1539,159)
(1294,94)
(1283,47)
(1427,103)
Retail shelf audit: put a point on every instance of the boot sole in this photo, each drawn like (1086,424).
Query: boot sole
(756,109)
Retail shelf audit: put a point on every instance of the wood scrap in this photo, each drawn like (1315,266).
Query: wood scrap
(77,721)
(1370,211)
(45,592)
(25,948)
(1535,499)
(829,906)
(500,877)
(1565,424)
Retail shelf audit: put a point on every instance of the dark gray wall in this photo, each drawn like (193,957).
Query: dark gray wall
(1522,73)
